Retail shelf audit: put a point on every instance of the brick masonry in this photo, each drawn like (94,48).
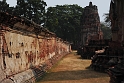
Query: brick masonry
(27,50)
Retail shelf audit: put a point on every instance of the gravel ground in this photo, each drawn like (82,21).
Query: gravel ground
(73,69)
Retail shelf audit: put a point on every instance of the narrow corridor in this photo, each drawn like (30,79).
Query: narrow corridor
(73,69)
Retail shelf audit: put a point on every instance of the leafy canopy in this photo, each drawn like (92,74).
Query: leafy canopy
(64,20)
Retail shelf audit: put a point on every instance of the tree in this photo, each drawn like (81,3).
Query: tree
(52,19)
(106,31)
(64,20)
(4,6)
(31,9)
(107,20)
(106,27)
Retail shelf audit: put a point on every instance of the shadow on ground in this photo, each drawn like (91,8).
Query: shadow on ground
(73,75)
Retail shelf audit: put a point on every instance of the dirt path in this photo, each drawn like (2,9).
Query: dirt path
(73,69)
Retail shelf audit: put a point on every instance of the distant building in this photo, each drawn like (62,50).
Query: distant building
(90,24)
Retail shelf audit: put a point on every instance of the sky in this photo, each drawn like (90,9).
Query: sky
(103,5)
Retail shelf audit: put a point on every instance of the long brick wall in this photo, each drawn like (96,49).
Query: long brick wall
(27,50)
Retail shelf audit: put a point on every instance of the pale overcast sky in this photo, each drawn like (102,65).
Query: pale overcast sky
(103,5)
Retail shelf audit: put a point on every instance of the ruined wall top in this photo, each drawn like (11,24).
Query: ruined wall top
(90,4)
(22,24)
(91,7)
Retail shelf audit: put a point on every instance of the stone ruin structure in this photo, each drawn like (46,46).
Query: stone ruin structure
(116,15)
(110,59)
(90,24)
(91,34)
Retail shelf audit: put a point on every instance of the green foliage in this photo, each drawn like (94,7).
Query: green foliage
(106,27)
(31,9)
(64,20)
(107,20)
(106,31)
(4,6)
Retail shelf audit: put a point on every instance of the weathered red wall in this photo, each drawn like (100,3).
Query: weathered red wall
(24,55)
